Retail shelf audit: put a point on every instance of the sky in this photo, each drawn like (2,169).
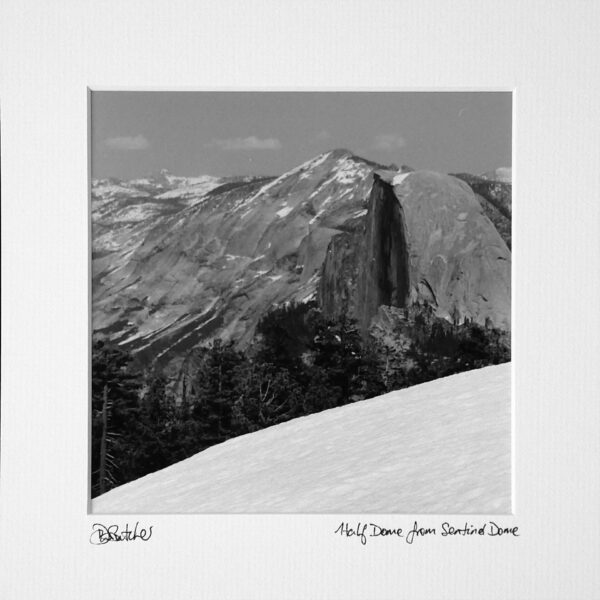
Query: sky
(136,134)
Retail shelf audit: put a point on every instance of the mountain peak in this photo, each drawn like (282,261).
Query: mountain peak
(344,154)
(339,153)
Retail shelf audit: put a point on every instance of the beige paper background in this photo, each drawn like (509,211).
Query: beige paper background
(51,51)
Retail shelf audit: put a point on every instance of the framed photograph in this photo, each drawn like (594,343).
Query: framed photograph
(263,332)
(248,329)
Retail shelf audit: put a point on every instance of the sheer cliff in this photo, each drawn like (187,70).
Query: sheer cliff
(425,239)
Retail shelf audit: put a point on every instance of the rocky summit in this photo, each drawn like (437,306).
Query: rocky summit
(179,261)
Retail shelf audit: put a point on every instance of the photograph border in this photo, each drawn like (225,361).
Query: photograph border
(91,90)
(51,54)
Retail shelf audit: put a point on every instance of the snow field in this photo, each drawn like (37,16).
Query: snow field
(439,447)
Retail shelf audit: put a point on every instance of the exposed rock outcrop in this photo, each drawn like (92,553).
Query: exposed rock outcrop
(179,261)
(495,196)
(426,240)
(384,270)
(213,268)
(458,261)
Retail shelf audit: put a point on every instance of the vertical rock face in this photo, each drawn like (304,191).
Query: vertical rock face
(337,292)
(427,240)
(458,260)
(384,268)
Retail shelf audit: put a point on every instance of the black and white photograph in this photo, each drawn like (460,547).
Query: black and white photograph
(301,302)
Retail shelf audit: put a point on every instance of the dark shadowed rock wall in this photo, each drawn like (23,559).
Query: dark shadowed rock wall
(384,266)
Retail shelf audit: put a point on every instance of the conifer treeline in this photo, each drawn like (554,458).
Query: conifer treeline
(299,363)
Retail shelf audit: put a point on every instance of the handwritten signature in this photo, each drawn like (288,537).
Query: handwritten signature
(102,534)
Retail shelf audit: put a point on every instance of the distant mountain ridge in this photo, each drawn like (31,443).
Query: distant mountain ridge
(495,196)
(501,174)
(178,261)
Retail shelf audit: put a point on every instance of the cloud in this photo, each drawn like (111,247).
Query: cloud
(139,142)
(389,141)
(249,143)
(323,135)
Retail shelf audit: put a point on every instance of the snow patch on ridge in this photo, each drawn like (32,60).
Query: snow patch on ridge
(311,164)
(349,170)
(286,210)
(398,179)
(265,188)
(111,191)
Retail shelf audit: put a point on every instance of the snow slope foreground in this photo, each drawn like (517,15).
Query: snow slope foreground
(439,447)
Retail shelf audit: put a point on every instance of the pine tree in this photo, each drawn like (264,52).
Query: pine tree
(338,346)
(266,395)
(115,407)
(215,387)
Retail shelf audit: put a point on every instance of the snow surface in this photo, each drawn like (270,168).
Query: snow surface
(349,170)
(286,210)
(109,191)
(440,447)
(398,179)
(192,187)
(304,171)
